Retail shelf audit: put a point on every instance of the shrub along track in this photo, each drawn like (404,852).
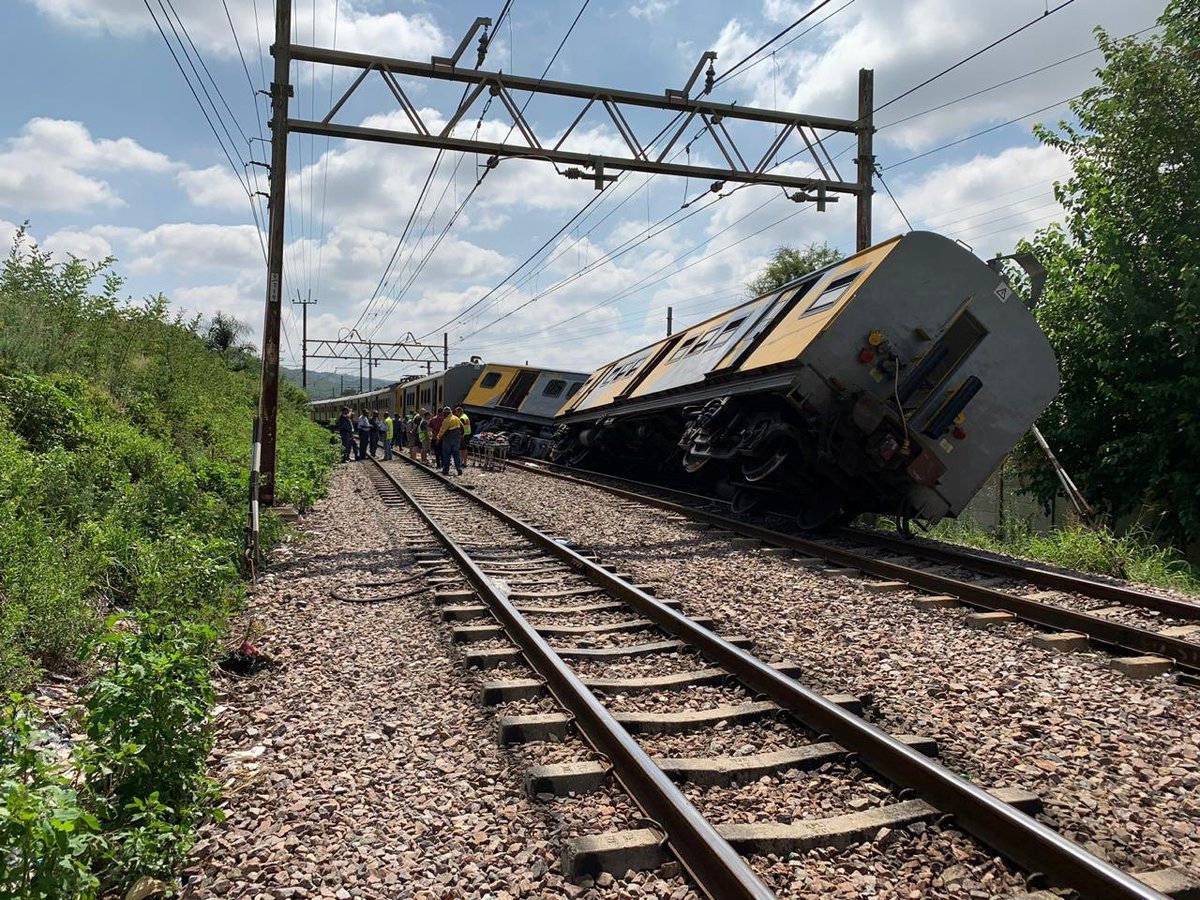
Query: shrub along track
(1151,633)
(492,553)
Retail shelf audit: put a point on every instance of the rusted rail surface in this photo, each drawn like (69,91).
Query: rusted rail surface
(999,825)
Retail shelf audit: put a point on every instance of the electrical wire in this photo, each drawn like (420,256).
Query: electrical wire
(976,54)
(800,21)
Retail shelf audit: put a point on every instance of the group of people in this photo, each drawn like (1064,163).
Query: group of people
(444,434)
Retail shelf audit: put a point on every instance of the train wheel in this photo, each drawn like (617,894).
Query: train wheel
(759,469)
(693,463)
(744,501)
(817,512)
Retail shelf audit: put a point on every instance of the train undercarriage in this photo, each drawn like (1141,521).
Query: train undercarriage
(765,451)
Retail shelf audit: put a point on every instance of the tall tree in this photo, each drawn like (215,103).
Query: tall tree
(1122,299)
(790,263)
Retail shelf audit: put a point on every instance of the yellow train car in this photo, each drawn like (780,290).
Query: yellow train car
(893,381)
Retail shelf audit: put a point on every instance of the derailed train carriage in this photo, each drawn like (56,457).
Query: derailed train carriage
(892,382)
(517,401)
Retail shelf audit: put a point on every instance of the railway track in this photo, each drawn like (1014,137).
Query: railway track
(1149,633)
(528,597)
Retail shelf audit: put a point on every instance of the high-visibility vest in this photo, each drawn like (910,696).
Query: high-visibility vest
(388,425)
(466,424)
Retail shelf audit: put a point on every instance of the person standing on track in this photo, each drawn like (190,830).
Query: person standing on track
(373,432)
(389,426)
(466,426)
(435,435)
(364,435)
(423,435)
(411,428)
(345,430)
(450,434)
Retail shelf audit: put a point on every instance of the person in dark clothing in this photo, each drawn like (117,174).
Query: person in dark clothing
(435,431)
(345,430)
(373,433)
(364,435)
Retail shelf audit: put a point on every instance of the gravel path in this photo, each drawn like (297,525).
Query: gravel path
(363,765)
(1116,761)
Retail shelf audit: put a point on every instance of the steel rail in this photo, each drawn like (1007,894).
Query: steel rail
(1033,846)
(1074,584)
(1113,635)
(714,865)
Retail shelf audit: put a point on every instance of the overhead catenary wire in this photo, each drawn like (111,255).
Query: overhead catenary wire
(976,54)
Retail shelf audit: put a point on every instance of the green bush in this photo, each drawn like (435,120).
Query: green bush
(124,448)
(47,839)
(147,724)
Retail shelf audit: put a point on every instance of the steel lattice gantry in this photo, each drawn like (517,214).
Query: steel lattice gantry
(710,116)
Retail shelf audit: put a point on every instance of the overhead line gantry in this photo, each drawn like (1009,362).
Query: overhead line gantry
(710,115)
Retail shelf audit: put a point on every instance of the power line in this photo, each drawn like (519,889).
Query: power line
(971,137)
(800,21)
(977,53)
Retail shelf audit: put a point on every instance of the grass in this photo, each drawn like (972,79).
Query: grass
(1096,551)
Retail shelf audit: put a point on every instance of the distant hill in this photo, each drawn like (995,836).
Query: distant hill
(323,385)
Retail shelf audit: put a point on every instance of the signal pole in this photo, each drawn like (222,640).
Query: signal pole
(268,408)
(305,303)
(669,312)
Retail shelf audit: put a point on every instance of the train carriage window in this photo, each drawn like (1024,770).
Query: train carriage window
(704,339)
(490,380)
(574,389)
(683,349)
(727,332)
(832,293)
(554,387)
(940,362)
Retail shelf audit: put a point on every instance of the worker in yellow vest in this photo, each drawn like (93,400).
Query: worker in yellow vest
(389,432)
(466,426)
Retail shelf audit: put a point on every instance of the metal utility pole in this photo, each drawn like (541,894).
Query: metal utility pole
(669,311)
(268,404)
(865,158)
(360,389)
(305,303)
(445,350)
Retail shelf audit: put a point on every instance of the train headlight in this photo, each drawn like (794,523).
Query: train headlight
(875,338)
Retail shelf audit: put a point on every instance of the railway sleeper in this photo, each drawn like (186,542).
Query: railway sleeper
(1175,882)
(642,849)
(503,691)
(587,776)
(472,611)
(487,659)
(557,726)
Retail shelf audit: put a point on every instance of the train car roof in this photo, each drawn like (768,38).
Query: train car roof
(570,372)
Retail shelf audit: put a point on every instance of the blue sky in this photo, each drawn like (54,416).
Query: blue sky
(104,151)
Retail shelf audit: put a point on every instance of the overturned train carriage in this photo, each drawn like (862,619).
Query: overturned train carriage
(893,381)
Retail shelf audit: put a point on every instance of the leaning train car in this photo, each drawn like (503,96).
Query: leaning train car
(520,402)
(432,392)
(891,382)
(383,399)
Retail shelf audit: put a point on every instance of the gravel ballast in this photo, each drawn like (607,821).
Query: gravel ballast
(1116,761)
(363,764)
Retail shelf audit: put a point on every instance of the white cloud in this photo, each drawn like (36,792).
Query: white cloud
(989,202)
(649,10)
(44,166)
(905,43)
(84,244)
(178,248)
(358,28)
(214,187)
